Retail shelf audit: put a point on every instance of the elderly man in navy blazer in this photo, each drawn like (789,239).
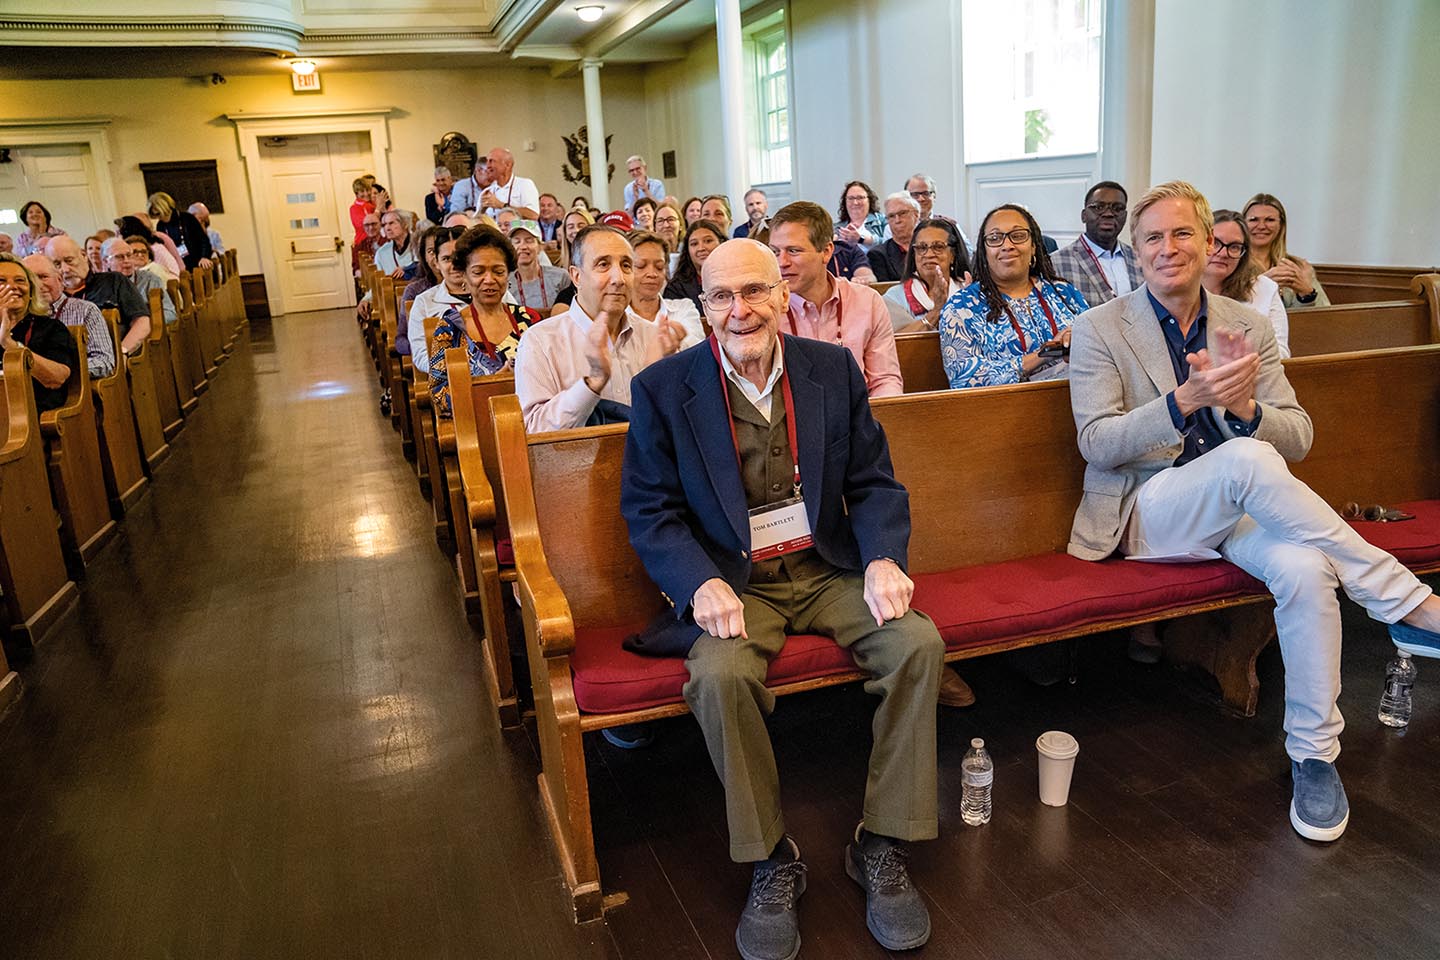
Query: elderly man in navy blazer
(759,494)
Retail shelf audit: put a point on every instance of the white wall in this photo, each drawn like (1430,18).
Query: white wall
(1331,105)
(682,101)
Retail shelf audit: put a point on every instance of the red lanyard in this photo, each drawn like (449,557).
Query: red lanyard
(839,316)
(1096,260)
(520,285)
(485,343)
(1015,324)
(31,332)
(789,400)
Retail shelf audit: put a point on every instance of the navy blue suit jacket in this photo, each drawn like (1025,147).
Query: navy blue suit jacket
(683,498)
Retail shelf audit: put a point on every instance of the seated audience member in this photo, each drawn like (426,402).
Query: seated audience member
(551,215)
(1099,264)
(1230,272)
(709,430)
(652,272)
(641,183)
(72,312)
(716,209)
(644,213)
(25,322)
(160,245)
(618,219)
(691,209)
(701,238)
(427,277)
(202,213)
(888,259)
(1006,326)
(367,243)
(396,256)
(94,251)
(849,261)
(506,189)
(757,205)
(130,259)
(504,219)
(575,368)
(668,217)
(829,308)
(382,199)
(7,243)
(1187,461)
(921,189)
(575,221)
(937,267)
(580,203)
(182,227)
(535,282)
(364,188)
(1265,222)
(488,328)
(464,196)
(860,219)
(104,289)
(458,220)
(450,292)
(37,230)
(140,253)
(438,199)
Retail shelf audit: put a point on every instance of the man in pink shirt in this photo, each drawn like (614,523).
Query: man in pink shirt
(829,308)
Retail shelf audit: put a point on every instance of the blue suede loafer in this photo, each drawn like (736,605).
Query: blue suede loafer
(1415,641)
(1319,809)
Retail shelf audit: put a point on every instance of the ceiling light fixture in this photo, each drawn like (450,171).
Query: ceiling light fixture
(590,12)
(303,68)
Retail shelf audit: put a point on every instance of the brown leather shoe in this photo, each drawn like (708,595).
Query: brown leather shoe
(954,691)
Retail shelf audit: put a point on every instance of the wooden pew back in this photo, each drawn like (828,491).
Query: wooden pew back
(1349,283)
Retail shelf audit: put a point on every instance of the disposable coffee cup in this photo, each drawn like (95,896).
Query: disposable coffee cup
(1057,751)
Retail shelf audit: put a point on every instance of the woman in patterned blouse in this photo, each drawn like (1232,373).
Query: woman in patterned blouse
(487,328)
(995,330)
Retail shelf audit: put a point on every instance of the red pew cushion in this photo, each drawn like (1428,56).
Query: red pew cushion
(1415,543)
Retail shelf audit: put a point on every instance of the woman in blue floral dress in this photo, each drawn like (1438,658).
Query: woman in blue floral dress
(1006,325)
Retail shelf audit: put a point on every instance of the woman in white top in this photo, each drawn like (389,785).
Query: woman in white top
(937,267)
(651,274)
(1265,226)
(1232,272)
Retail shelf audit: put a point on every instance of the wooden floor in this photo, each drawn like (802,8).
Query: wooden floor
(262,735)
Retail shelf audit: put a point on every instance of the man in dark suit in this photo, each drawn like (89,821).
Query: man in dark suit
(887,259)
(750,543)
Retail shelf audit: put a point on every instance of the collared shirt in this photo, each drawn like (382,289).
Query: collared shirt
(146,280)
(980,352)
(465,195)
(1113,265)
(1201,430)
(855,317)
(759,399)
(550,368)
(216,244)
(517,192)
(387,260)
(99,347)
(656,188)
(549,230)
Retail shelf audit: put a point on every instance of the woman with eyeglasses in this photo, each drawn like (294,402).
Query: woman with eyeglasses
(1012,324)
(700,241)
(669,215)
(1265,221)
(937,268)
(860,220)
(25,321)
(1231,272)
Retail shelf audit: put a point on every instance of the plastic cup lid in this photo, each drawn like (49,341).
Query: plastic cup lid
(1057,745)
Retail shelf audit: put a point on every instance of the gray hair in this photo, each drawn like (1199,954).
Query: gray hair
(901,196)
(755,190)
(929,181)
(112,244)
(442,169)
(407,219)
(636,157)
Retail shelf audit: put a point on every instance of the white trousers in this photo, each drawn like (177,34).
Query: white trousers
(1241,502)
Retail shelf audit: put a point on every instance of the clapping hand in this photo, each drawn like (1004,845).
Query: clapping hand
(1230,385)
(668,337)
(597,355)
(849,233)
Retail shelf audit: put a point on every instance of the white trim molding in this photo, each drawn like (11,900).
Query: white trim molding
(281,36)
(90,131)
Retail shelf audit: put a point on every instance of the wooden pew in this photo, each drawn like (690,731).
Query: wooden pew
(144,378)
(9,683)
(120,457)
(429,443)
(188,353)
(167,393)
(37,589)
(484,515)
(412,410)
(237,291)
(974,448)
(400,387)
(206,335)
(77,476)
(1346,283)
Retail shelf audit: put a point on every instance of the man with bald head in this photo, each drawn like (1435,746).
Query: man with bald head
(99,348)
(202,213)
(759,494)
(128,260)
(507,190)
(104,289)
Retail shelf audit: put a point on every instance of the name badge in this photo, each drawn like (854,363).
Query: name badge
(184,250)
(779,528)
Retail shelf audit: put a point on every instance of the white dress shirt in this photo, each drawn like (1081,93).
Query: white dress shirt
(550,368)
(1265,298)
(759,399)
(518,192)
(429,303)
(1113,265)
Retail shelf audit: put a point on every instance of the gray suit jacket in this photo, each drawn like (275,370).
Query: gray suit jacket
(1120,374)
(1074,264)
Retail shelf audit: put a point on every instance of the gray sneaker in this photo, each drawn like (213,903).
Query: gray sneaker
(894,910)
(1320,809)
(769,927)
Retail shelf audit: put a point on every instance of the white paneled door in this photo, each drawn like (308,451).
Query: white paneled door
(307,179)
(62,177)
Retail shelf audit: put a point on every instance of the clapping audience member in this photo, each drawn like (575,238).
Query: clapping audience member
(37,230)
(1100,264)
(487,328)
(668,217)
(575,368)
(438,199)
(1012,323)
(434,301)
(644,213)
(26,322)
(701,239)
(104,289)
(902,212)
(757,206)
(859,219)
(202,213)
(652,272)
(937,267)
(506,189)
(383,202)
(367,243)
(130,259)
(1231,272)
(1265,221)
(74,312)
(641,183)
(535,283)
(716,209)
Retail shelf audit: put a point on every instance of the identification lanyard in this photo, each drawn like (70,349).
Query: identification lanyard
(521,289)
(789,401)
(839,317)
(30,332)
(1015,324)
(485,343)
(1104,277)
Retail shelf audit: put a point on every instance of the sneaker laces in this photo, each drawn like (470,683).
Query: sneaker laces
(776,885)
(886,870)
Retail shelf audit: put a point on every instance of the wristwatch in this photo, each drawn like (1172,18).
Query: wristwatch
(1307,298)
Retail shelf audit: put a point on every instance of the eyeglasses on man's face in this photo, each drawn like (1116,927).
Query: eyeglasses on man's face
(1098,208)
(720,301)
(918,195)
(1017,236)
(901,214)
(1232,250)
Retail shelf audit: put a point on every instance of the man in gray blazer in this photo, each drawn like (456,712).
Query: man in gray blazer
(1185,420)
(1099,263)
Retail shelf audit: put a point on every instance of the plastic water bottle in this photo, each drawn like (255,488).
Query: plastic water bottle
(977,773)
(1395,701)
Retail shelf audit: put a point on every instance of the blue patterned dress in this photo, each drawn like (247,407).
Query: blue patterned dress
(485,358)
(981,353)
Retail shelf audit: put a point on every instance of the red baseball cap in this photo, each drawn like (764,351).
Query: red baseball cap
(618,219)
